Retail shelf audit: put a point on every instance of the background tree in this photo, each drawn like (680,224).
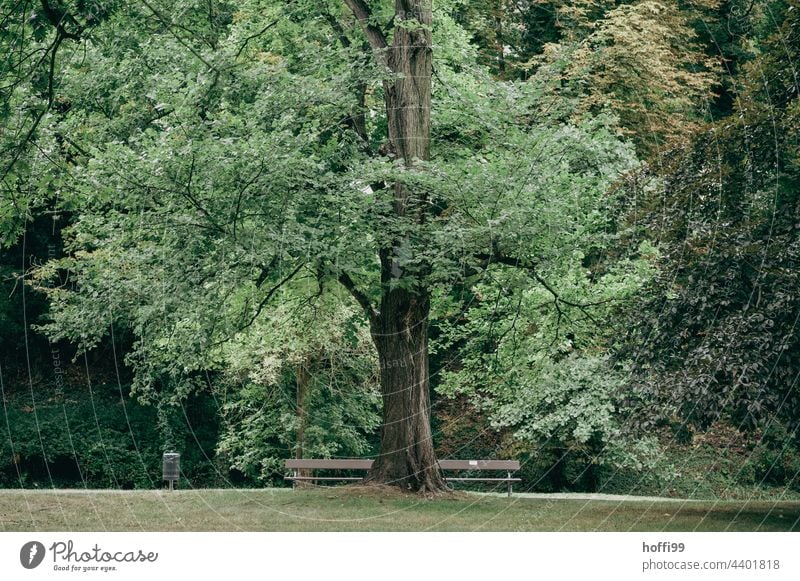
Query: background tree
(720,340)
(300,381)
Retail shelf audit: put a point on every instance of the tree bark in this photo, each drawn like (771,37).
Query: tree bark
(400,325)
(408,97)
(303,378)
(407,458)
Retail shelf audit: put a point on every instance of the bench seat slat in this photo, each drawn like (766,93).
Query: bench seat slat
(323,478)
(330,464)
(366,464)
(479,464)
(507,466)
(448,479)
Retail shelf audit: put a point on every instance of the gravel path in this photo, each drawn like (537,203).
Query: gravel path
(532,495)
(590,496)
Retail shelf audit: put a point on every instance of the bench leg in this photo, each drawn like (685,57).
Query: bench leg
(509,485)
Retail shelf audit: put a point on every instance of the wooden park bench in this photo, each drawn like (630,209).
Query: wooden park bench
(507,466)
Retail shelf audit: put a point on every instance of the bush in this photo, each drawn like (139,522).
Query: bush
(566,420)
(99,439)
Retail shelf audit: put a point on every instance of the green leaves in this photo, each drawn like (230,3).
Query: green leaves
(227,169)
(716,332)
(305,370)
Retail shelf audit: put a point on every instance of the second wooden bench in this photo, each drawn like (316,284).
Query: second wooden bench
(297,466)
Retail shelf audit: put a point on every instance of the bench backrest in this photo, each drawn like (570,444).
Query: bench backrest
(479,465)
(336,464)
(362,464)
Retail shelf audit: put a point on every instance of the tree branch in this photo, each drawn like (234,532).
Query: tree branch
(262,303)
(497,257)
(254,36)
(52,50)
(375,36)
(272,292)
(337,28)
(266,270)
(361,298)
(558,300)
(58,18)
(171,27)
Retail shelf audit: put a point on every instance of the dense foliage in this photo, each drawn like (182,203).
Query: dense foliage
(721,338)
(207,201)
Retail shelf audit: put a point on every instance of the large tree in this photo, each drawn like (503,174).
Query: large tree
(222,154)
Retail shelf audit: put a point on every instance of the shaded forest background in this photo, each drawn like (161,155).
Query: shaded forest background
(667,364)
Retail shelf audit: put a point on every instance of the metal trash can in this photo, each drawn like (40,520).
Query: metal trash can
(172,468)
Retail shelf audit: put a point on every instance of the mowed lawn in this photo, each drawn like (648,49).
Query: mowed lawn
(358,509)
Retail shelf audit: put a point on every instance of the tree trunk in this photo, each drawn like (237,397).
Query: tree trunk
(303,378)
(408,97)
(400,326)
(407,458)
(558,472)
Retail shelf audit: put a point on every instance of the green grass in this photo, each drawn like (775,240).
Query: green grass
(358,509)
